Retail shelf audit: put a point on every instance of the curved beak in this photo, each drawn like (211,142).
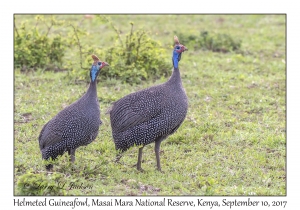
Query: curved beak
(106,64)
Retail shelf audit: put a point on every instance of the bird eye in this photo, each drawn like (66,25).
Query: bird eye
(99,63)
(177,48)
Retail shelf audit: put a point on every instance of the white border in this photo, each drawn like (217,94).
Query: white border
(154,6)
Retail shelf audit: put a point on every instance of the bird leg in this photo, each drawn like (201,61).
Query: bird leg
(156,149)
(140,159)
(118,157)
(49,168)
(71,152)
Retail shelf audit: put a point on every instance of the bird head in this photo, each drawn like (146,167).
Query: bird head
(96,67)
(178,49)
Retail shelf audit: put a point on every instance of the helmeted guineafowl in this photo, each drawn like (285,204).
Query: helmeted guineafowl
(76,125)
(150,115)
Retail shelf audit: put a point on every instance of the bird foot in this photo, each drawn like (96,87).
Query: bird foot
(118,157)
(49,168)
(72,159)
(159,169)
(117,160)
(140,169)
(49,171)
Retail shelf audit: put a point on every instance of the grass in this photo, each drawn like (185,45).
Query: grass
(233,141)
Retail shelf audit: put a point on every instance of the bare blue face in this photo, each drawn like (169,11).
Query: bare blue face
(178,49)
(95,70)
(176,58)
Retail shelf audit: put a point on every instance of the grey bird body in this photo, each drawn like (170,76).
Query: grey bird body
(150,115)
(76,125)
(144,116)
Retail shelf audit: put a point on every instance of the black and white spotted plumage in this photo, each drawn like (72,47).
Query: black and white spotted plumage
(150,115)
(76,125)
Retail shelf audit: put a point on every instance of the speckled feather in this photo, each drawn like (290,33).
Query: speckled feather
(144,116)
(76,125)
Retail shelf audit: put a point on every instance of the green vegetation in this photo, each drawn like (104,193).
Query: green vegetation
(213,42)
(41,184)
(35,50)
(233,141)
(139,58)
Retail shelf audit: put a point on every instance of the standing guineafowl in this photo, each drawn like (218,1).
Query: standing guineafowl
(74,126)
(150,115)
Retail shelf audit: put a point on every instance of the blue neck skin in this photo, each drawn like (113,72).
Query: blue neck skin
(92,90)
(94,71)
(175,59)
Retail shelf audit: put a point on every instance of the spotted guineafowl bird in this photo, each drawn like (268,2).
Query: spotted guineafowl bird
(150,115)
(74,126)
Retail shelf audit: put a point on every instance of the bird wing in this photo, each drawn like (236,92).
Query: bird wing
(62,127)
(136,108)
(49,137)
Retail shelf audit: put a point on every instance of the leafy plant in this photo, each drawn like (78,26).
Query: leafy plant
(34,49)
(140,58)
(207,185)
